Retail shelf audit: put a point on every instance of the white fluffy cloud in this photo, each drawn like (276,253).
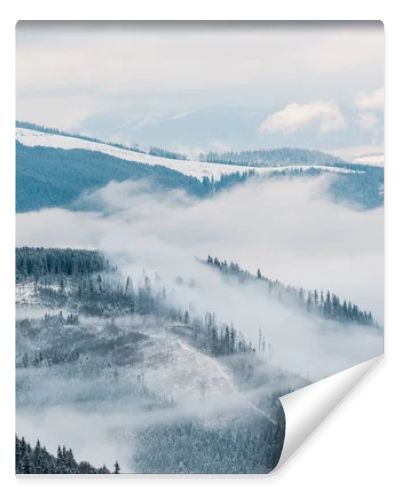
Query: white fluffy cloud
(296,116)
(374,100)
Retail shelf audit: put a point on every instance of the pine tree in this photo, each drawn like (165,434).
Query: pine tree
(128,286)
(19,453)
(39,461)
(36,453)
(27,463)
(316,298)
(186,318)
(344,310)
(328,305)
(309,301)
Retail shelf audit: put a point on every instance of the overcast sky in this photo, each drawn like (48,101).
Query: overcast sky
(308,84)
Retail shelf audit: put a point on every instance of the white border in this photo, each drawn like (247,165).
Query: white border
(354,454)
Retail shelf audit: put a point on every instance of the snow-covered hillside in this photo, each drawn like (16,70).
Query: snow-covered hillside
(192,168)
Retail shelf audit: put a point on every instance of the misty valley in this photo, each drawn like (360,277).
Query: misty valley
(199,214)
(124,372)
(147,340)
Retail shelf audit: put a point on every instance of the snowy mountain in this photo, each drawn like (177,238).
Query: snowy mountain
(57,169)
(194,168)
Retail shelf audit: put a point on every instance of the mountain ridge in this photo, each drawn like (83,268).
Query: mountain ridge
(56,169)
(270,156)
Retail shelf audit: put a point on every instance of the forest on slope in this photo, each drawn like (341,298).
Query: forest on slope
(184,392)
(273,157)
(53,177)
(326,304)
(37,460)
(112,363)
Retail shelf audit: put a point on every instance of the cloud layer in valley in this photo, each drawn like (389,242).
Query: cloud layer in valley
(288,229)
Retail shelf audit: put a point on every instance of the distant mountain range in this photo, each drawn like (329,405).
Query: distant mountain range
(221,127)
(254,158)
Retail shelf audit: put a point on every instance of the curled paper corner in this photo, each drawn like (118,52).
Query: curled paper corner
(308,407)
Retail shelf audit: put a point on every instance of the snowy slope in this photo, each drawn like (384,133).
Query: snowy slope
(192,168)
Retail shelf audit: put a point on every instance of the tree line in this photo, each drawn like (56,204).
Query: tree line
(85,280)
(57,131)
(106,295)
(37,262)
(272,157)
(327,304)
(164,153)
(37,460)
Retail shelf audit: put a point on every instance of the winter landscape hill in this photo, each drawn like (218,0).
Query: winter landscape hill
(56,169)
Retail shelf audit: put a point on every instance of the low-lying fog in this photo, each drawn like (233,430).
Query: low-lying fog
(287,228)
(290,229)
